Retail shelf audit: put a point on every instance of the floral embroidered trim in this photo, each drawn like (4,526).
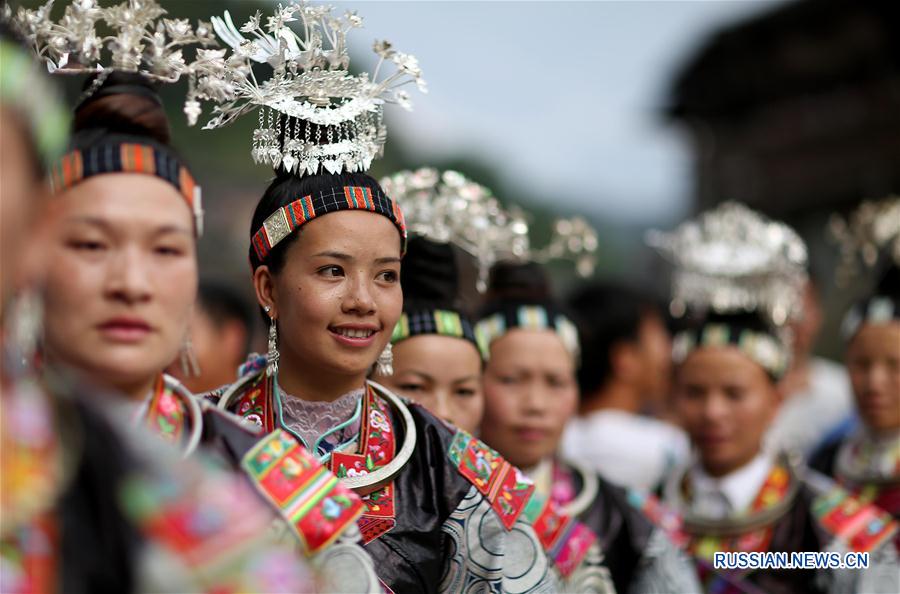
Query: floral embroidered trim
(378,447)
(167,415)
(565,539)
(860,526)
(312,500)
(504,485)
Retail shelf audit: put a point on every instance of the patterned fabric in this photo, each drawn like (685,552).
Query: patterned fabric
(32,461)
(377,446)
(763,348)
(566,540)
(167,415)
(206,531)
(126,157)
(858,526)
(287,219)
(497,322)
(659,566)
(24,90)
(480,550)
(29,557)
(312,500)
(504,485)
(434,321)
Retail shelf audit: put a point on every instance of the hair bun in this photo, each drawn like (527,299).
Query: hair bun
(124,103)
(519,281)
(430,273)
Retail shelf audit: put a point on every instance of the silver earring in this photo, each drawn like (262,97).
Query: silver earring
(273,355)
(190,366)
(385,363)
(26,317)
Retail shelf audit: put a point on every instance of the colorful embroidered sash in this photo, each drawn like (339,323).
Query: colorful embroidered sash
(257,403)
(860,526)
(312,500)
(565,540)
(504,485)
(167,414)
(377,447)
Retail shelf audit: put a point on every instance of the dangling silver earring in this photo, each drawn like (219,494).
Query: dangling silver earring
(385,363)
(273,355)
(190,366)
(26,317)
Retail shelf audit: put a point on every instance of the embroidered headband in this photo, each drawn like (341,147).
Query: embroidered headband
(25,91)
(125,154)
(761,347)
(287,219)
(434,321)
(880,309)
(500,320)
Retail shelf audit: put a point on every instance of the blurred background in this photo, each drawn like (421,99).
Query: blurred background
(633,114)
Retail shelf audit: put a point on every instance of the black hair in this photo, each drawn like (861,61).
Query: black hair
(738,321)
(125,104)
(430,277)
(284,189)
(607,314)
(222,303)
(518,282)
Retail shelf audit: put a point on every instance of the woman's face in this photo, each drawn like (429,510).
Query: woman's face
(338,296)
(725,401)
(441,373)
(873,361)
(530,392)
(122,279)
(21,194)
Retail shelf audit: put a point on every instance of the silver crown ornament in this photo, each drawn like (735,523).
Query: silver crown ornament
(732,259)
(448,207)
(312,112)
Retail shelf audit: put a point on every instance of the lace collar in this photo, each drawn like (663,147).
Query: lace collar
(321,426)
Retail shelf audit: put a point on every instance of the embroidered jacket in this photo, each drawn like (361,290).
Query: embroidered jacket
(871,473)
(443,512)
(120,513)
(795,510)
(640,556)
(315,511)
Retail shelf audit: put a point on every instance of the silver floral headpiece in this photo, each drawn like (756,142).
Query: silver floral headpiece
(312,112)
(732,259)
(448,207)
(872,229)
(140,41)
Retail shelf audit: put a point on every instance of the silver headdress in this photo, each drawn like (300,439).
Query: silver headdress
(732,259)
(312,111)
(140,41)
(448,207)
(873,228)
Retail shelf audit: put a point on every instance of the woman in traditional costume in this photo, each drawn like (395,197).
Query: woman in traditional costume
(530,393)
(122,277)
(739,274)
(867,461)
(86,507)
(443,511)
(436,360)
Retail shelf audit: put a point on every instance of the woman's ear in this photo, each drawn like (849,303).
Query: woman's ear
(264,285)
